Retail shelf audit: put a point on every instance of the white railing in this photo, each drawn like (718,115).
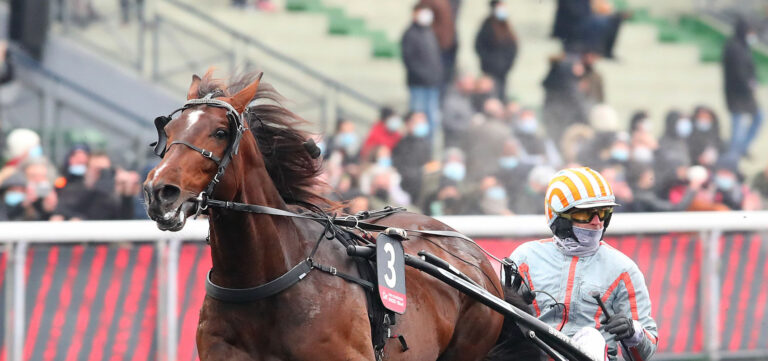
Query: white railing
(17,236)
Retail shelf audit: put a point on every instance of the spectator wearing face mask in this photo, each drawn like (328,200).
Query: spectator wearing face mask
(493,198)
(40,199)
(729,189)
(382,181)
(740,83)
(386,132)
(526,128)
(346,142)
(14,191)
(458,111)
(642,141)
(496,46)
(449,185)
(705,135)
(411,154)
(512,169)
(424,67)
(444,27)
(75,165)
(672,154)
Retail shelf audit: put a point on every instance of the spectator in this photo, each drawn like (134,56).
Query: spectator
(584,25)
(563,102)
(21,144)
(346,142)
(40,199)
(615,175)
(526,129)
(760,184)
(75,166)
(672,158)
(382,181)
(424,66)
(458,111)
(642,142)
(412,153)
(705,134)
(14,191)
(444,27)
(729,189)
(494,133)
(645,199)
(496,46)
(576,139)
(529,200)
(484,90)
(597,153)
(386,132)
(446,201)
(740,83)
(454,166)
(591,82)
(100,196)
(512,169)
(493,199)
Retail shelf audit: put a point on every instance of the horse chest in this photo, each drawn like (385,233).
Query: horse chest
(299,324)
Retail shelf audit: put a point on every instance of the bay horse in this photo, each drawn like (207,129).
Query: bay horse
(322,317)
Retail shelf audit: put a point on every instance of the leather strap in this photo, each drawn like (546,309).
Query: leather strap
(271,288)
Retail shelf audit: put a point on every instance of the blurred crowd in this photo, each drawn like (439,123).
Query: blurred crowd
(86,186)
(466,147)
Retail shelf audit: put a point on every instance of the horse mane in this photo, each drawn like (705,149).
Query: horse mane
(276,129)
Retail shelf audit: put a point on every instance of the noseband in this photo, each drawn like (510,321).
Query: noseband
(236,127)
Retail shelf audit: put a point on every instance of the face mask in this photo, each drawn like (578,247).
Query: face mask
(348,141)
(528,126)
(724,183)
(621,155)
(586,243)
(77,169)
(508,162)
(384,162)
(684,128)
(496,193)
(500,12)
(752,39)
(424,17)
(421,130)
(703,125)
(394,124)
(642,154)
(454,171)
(13,198)
(35,152)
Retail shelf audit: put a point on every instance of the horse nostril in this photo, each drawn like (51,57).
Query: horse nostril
(168,193)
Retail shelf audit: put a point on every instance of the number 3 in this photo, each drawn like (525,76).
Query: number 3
(390,281)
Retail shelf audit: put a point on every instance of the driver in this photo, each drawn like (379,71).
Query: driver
(564,271)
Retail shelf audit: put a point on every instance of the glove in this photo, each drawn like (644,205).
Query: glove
(620,326)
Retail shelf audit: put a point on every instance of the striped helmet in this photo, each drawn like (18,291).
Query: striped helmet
(576,187)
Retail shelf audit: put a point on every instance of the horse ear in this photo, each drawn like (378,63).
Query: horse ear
(192,93)
(240,100)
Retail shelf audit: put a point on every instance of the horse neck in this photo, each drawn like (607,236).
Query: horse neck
(251,249)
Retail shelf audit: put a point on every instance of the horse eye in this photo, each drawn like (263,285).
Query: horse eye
(220,133)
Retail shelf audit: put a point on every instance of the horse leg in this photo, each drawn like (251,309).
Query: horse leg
(476,332)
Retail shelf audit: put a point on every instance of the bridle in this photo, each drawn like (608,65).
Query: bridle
(236,128)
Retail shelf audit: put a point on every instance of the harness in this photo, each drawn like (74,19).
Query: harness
(334,228)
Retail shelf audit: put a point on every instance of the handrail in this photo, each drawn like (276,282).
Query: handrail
(23,59)
(276,54)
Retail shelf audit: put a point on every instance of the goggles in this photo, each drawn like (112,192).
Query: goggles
(585,215)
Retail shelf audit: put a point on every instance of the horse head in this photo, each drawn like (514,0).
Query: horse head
(196,148)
